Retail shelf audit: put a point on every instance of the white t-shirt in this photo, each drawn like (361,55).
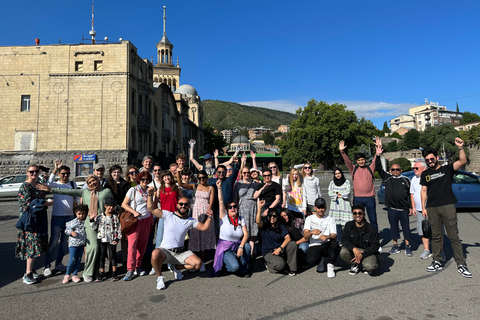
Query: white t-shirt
(62,204)
(326,224)
(415,189)
(175,230)
(140,204)
(228,232)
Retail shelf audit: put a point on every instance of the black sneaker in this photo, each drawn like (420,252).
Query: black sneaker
(463,270)
(354,270)
(436,266)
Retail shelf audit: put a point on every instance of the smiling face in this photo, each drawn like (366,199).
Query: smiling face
(431,161)
(361,162)
(320,211)
(116,174)
(157,171)
(396,170)
(64,175)
(284,216)
(147,164)
(183,206)
(232,209)
(418,169)
(93,183)
(358,216)
(338,174)
(229,170)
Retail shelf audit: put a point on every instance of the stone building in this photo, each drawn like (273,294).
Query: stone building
(89,103)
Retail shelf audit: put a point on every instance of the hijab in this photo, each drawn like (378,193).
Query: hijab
(93,207)
(341,181)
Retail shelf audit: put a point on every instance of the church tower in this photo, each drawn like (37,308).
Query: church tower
(165,71)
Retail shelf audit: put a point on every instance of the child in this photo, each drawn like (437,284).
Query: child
(76,242)
(108,228)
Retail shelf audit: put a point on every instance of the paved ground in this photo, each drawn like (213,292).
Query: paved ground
(401,289)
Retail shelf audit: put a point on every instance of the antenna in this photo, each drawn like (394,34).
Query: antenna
(92,32)
(164,20)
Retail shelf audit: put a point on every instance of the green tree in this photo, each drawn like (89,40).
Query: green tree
(392,146)
(386,129)
(412,139)
(469,117)
(441,138)
(404,163)
(213,140)
(472,136)
(316,134)
(396,135)
(244,132)
(268,138)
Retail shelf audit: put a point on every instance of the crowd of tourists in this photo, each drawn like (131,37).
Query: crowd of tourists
(175,217)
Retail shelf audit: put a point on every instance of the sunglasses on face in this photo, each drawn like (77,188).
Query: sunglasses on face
(202,178)
(183,204)
(132,172)
(267,175)
(230,169)
(65,174)
(156,170)
(307,168)
(33,171)
(321,207)
(221,172)
(357,213)
(395,169)
(145,180)
(233,206)
(272,167)
(246,172)
(273,216)
(430,159)
(416,168)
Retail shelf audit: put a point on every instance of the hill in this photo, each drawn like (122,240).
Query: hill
(228,115)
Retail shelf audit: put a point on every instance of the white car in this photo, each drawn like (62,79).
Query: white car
(79,181)
(10,185)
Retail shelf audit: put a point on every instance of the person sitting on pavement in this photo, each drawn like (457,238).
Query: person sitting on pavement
(360,243)
(397,200)
(172,250)
(321,231)
(296,234)
(233,249)
(279,252)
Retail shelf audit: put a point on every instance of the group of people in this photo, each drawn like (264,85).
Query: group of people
(239,212)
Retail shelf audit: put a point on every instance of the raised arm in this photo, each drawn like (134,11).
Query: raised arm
(258,218)
(226,163)
(204,226)
(378,163)
(192,159)
(221,205)
(215,156)
(348,163)
(462,157)
(151,204)
(187,186)
(254,160)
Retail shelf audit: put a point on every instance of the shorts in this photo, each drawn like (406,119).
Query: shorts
(176,258)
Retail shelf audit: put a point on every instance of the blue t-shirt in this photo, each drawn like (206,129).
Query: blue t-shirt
(271,240)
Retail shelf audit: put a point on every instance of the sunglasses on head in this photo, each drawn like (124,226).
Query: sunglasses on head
(183,204)
(357,213)
(33,171)
(233,206)
(395,169)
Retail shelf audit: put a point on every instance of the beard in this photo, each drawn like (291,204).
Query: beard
(208,165)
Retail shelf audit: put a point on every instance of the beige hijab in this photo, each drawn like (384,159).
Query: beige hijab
(93,207)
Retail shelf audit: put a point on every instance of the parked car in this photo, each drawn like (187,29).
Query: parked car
(80,181)
(10,185)
(466,187)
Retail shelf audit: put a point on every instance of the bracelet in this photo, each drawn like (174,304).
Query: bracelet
(240,247)
(460,148)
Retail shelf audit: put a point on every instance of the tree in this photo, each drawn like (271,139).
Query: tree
(244,132)
(412,139)
(392,146)
(316,134)
(386,129)
(268,138)
(469,117)
(213,140)
(472,136)
(396,135)
(404,163)
(441,138)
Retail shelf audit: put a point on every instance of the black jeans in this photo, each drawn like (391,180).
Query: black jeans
(112,253)
(328,249)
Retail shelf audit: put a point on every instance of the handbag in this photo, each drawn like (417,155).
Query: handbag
(426,229)
(127,219)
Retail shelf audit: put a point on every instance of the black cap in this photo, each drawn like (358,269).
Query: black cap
(320,202)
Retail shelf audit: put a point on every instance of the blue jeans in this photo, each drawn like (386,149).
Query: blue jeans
(371,207)
(76,254)
(234,264)
(57,232)
(395,216)
(159,238)
(339,233)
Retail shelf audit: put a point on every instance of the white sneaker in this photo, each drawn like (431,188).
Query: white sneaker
(203,268)
(177,273)
(47,272)
(160,283)
(87,278)
(330,271)
(152,272)
(61,267)
(380,249)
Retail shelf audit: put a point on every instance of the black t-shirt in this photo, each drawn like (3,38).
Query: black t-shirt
(268,194)
(439,186)
(295,234)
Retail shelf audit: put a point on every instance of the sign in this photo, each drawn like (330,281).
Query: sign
(84,157)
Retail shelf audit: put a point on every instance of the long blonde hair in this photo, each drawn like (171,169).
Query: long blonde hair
(276,166)
(299,180)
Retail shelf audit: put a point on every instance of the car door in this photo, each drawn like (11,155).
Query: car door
(466,188)
(7,187)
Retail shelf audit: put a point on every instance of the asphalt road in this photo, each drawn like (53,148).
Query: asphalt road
(400,289)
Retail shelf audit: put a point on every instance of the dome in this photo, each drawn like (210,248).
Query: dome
(187,89)
(240,139)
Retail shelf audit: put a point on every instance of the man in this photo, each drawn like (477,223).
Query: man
(181,160)
(437,196)
(147,163)
(271,191)
(360,243)
(173,169)
(363,179)
(415,195)
(207,158)
(322,232)
(172,249)
(62,213)
(397,200)
(99,171)
(157,180)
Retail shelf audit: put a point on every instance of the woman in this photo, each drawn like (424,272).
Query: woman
(94,196)
(136,203)
(296,234)
(232,247)
(277,247)
(119,187)
(168,195)
(276,176)
(255,176)
(33,243)
(184,176)
(294,198)
(339,192)
(312,188)
(131,175)
(244,190)
(204,196)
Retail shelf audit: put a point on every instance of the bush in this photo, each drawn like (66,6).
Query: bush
(404,163)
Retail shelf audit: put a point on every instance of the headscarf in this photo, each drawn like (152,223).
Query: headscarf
(341,181)
(93,207)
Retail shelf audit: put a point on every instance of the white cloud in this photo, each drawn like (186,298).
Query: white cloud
(367,109)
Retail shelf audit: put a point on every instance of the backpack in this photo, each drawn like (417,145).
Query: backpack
(368,168)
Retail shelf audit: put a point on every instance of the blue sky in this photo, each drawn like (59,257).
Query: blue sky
(377,57)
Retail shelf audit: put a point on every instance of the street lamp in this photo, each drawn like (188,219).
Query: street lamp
(31,81)
(5,80)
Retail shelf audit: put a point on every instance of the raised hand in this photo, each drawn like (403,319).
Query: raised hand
(378,141)
(192,143)
(252,154)
(378,150)
(244,157)
(219,183)
(459,142)
(342,146)
(58,163)
(215,153)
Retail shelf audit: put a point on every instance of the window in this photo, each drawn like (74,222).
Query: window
(164,121)
(78,65)
(132,133)
(98,65)
(132,102)
(25,103)
(155,115)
